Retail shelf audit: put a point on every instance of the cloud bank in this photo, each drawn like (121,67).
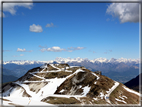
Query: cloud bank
(58,49)
(126,12)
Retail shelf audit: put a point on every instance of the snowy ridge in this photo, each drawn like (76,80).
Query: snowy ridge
(61,83)
(44,91)
(22,62)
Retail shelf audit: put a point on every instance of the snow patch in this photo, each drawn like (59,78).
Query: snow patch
(124,96)
(79,70)
(37,76)
(110,91)
(54,66)
(44,65)
(80,86)
(101,95)
(112,88)
(74,66)
(86,90)
(96,76)
(120,100)
(95,98)
(68,71)
(62,90)
(132,91)
(121,97)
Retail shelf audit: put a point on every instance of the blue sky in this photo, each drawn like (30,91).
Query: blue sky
(44,31)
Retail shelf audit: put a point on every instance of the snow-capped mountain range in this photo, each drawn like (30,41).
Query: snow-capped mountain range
(79,60)
(121,70)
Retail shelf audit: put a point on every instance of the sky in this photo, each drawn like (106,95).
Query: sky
(44,31)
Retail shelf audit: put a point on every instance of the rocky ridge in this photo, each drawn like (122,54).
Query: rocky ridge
(53,84)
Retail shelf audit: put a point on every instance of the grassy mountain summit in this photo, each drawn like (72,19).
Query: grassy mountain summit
(53,84)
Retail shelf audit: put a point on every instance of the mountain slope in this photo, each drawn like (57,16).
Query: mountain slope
(64,84)
(8,78)
(134,83)
(8,72)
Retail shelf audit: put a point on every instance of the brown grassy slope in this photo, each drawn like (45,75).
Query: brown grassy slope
(103,84)
(120,91)
(61,65)
(60,100)
(28,75)
(73,69)
(36,86)
(50,67)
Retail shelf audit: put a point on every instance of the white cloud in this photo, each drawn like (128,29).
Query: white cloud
(35,28)
(12,7)
(79,48)
(55,49)
(50,25)
(23,50)
(126,12)
(43,49)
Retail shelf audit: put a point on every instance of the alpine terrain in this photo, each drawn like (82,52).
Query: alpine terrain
(121,70)
(55,84)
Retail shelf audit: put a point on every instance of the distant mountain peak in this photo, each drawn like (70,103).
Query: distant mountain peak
(78,59)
